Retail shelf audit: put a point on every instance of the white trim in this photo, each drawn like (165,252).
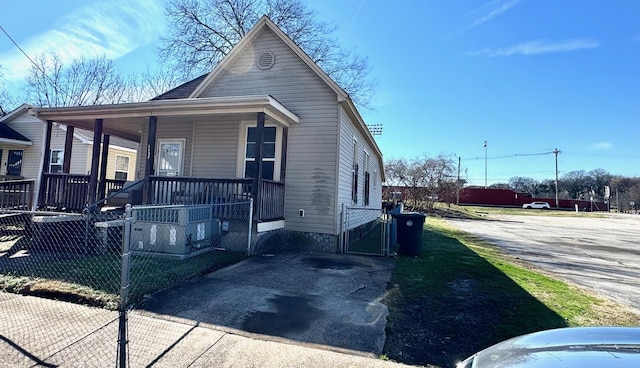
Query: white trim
(242,148)
(16,142)
(51,156)
(178,107)
(271,225)
(115,165)
(182,142)
(265,22)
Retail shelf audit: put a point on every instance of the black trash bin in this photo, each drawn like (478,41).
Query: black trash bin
(410,226)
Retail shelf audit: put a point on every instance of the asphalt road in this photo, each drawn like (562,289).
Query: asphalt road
(600,254)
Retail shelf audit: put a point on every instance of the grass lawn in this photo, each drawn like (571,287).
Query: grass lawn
(95,279)
(463,295)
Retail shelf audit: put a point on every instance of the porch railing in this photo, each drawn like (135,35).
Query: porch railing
(271,206)
(187,190)
(17,194)
(65,191)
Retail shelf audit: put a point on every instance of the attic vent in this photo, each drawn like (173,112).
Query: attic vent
(266,60)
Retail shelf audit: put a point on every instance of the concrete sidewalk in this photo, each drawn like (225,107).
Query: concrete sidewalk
(70,335)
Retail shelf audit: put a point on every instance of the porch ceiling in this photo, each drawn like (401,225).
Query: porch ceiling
(128,120)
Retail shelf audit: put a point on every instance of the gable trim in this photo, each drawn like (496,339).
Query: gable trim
(263,23)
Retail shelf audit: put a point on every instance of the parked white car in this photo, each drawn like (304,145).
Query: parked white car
(591,347)
(536,205)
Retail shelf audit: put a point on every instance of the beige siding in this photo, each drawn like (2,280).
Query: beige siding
(168,129)
(32,128)
(348,133)
(312,145)
(215,149)
(80,152)
(111,162)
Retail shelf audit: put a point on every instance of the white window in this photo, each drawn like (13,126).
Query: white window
(170,157)
(271,151)
(122,167)
(55,163)
(354,173)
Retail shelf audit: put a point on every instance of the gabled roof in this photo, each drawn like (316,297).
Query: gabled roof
(265,22)
(248,38)
(8,135)
(182,91)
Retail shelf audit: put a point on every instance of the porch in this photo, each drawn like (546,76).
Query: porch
(72,193)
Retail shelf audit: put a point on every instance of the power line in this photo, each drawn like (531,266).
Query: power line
(34,63)
(508,156)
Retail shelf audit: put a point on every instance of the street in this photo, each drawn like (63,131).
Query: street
(599,254)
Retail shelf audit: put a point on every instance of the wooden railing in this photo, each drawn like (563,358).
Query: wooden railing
(113,185)
(17,194)
(271,205)
(65,191)
(186,190)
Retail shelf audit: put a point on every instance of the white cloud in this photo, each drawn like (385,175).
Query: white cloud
(540,47)
(110,28)
(484,14)
(493,11)
(601,146)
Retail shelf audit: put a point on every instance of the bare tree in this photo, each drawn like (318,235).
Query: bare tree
(425,179)
(145,86)
(7,101)
(202,32)
(84,82)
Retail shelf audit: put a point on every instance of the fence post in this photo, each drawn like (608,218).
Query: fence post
(124,290)
(250,226)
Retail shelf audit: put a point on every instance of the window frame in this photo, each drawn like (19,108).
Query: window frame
(51,164)
(20,161)
(116,171)
(182,143)
(354,173)
(367,179)
(242,149)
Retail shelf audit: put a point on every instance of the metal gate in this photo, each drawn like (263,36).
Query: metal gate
(364,231)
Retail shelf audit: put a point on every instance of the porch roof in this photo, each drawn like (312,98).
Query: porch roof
(127,120)
(8,135)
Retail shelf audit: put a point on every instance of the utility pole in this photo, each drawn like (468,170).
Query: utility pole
(555,152)
(485,164)
(458,184)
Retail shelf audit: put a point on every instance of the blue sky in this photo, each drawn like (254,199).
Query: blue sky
(527,76)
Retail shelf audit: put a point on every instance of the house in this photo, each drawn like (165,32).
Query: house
(268,124)
(22,145)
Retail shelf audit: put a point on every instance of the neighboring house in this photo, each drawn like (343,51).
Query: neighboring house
(22,150)
(266,123)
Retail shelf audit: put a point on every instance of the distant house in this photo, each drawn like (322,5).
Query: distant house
(267,123)
(22,150)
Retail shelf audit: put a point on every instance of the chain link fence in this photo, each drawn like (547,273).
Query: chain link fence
(71,283)
(364,231)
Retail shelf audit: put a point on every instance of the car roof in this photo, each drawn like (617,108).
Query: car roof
(566,347)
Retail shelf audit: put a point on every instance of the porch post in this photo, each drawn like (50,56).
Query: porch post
(95,158)
(151,153)
(68,146)
(45,163)
(102,183)
(283,161)
(257,174)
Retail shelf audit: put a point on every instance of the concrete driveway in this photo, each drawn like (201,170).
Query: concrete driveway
(327,300)
(601,254)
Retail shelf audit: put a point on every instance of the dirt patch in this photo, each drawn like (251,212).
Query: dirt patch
(425,332)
